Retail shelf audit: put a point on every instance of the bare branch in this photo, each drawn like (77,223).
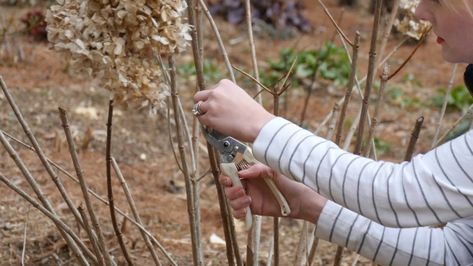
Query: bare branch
(134,210)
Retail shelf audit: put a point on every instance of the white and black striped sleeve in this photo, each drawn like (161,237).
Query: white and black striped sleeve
(431,189)
(450,245)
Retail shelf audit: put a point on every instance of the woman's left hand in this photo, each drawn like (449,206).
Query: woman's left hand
(228,109)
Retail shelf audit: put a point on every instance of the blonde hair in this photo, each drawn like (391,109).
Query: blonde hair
(449,3)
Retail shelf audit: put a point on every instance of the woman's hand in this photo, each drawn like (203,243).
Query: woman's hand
(305,203)
(230,110)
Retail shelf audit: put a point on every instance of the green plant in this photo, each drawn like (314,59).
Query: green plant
(397,96)
(459,98)
(212,73)
(382,147)
(330,62)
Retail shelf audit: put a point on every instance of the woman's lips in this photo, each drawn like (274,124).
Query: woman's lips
(440,40)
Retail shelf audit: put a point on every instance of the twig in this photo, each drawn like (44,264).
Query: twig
(376,115)
(349,89)
(108,160)
(229,231)
(467,115)
(338,256)
(101,199)
(83,186)
(36,188)
(219,39)
(23,250)
(414,137)
(254,61)
(90,234)
(388,28)
(419,44)
(134,210)
(54,218)
(370,78)
(309,93)
(40,154)
(444,105)
(195,235)
(335,23)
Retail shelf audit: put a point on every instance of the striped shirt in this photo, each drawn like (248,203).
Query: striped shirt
(431,189)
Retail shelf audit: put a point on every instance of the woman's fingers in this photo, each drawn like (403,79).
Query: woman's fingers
(239,214)
(240,203)
(234,192)
(258,170)
(225,181)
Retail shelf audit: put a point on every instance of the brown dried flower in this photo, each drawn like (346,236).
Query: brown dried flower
(408,24)
(118,41)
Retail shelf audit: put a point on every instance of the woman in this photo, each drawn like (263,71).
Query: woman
(432,189)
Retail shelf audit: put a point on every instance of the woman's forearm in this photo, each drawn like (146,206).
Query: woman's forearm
(450,245)
(432,189)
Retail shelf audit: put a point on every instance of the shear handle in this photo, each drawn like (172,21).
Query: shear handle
(285,209)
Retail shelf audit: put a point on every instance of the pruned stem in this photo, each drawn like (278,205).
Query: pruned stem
(414,137)
(134,210)
(108,159)
(84,188)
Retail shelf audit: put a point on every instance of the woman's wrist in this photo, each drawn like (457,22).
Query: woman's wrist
(259,124)
(312,206)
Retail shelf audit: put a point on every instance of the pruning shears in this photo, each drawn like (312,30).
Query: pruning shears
(236,156)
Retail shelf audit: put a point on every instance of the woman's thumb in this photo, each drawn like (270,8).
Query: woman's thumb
(255,171)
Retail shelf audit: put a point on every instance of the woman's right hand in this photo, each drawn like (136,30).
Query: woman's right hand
(304,203)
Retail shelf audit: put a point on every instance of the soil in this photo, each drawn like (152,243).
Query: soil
(41,82)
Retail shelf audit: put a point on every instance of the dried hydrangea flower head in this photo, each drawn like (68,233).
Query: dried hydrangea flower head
(117,41)
(408,24)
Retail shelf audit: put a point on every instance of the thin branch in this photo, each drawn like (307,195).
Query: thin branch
(370,78)
(340,31)
(40,153)
(134,210)
(349,89)
(90,234)
(468,115)
(36,188)
(53,217)
(254,80)
(414,137)
(419,44)
(444,105)
(219,39)
(376,115)
(196,243)
(23,249)
(101,199)
(84,187)
(108,160)
(388,28)
(254,61)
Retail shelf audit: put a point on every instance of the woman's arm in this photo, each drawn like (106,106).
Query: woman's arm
(451,245)
(431,189)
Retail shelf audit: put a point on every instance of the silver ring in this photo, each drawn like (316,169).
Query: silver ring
(196,109)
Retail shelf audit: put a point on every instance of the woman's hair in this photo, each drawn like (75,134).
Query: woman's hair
(466,3)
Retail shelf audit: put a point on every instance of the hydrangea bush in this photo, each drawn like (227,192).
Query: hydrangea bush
(118,42)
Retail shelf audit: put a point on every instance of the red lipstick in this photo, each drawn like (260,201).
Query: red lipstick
(440,40)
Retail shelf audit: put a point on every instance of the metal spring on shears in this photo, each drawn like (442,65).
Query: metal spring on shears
(243,164)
